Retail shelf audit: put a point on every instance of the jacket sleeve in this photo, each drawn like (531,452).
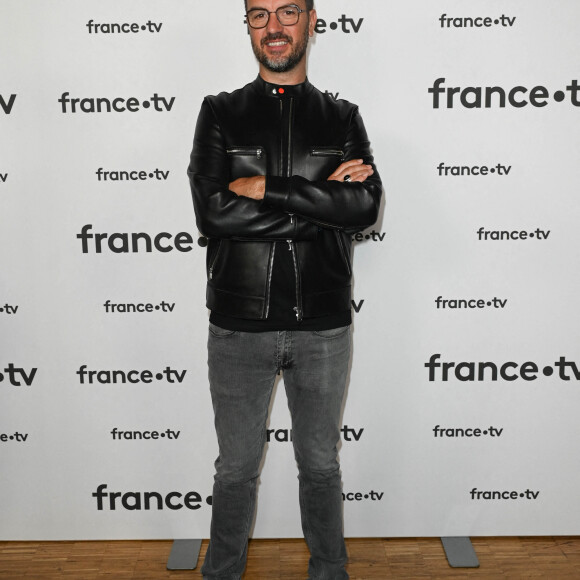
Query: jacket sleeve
(351,206)
(221,213)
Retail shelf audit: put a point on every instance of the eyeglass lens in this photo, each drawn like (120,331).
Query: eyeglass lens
(287,16)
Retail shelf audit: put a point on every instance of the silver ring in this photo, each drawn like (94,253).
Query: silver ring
(346,178)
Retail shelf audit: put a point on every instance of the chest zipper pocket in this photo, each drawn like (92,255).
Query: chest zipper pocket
(252,151)
(327,151)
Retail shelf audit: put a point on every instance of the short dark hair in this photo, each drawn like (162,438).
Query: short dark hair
(309,4)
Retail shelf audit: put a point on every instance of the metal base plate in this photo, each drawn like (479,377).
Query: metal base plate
(184,555)
(460,552)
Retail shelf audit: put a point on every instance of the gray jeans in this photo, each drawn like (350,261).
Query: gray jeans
(242,370)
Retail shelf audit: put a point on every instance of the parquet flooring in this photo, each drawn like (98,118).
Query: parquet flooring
(555,558)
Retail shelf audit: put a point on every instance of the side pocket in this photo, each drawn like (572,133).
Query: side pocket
(333,332)
(219,332)
(343,252)
(214,260)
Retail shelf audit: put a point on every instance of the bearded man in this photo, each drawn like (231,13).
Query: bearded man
(281,176)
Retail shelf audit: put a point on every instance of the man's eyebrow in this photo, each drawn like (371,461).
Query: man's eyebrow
(283,6)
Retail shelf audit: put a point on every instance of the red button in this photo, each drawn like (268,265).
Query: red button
(281,90)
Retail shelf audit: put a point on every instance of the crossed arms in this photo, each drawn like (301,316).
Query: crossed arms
(272,207)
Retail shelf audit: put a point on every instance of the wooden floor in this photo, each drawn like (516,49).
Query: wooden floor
(415,558)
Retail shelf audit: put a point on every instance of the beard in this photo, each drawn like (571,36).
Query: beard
(281,64)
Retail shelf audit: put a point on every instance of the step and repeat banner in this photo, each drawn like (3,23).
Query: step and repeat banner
(462,409)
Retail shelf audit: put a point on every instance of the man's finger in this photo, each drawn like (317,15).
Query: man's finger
(361,171)
(361,175)
(360,178)
(343,167)
(354,170)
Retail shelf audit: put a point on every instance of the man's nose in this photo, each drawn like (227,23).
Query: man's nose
(274,25)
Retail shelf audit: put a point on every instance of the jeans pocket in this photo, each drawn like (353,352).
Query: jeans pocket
(219,331)
(333,332)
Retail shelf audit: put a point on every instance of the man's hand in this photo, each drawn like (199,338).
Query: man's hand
(354,168)
(252,187)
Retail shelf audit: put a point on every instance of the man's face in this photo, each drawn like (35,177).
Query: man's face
(280,48)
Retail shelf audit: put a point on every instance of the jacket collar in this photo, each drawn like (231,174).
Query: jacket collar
(280,91)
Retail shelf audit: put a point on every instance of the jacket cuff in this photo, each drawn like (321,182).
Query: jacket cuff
(277,191)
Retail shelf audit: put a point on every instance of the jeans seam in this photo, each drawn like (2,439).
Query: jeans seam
(306,527)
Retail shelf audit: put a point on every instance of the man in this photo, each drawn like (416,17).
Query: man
(281,177)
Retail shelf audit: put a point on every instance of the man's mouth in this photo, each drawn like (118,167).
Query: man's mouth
(276,41)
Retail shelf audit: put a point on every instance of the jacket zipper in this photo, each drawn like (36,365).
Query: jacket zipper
(298,308)
(291,244)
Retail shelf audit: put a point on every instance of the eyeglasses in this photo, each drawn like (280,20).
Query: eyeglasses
(286,15)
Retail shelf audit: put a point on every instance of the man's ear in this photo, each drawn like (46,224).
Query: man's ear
(312,22)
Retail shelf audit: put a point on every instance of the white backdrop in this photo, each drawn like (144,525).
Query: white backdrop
(413,461)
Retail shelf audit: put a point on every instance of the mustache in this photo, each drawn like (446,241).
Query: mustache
(274,37)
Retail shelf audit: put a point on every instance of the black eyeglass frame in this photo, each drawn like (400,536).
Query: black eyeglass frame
(300,11)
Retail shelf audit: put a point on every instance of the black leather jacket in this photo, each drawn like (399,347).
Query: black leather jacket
(296,136)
